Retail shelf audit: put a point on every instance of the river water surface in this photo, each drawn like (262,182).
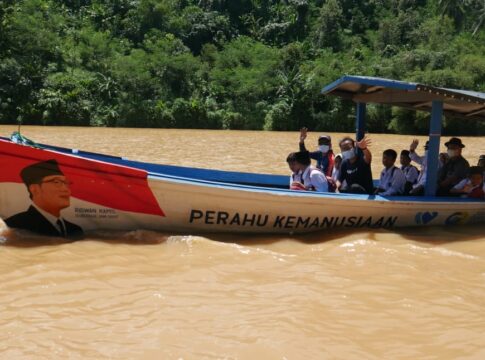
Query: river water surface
(411,294)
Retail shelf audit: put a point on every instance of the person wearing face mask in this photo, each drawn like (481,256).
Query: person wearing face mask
(418,187)
(355,172)
(324,155)
(456,168)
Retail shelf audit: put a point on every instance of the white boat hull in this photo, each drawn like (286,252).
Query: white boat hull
(113,197)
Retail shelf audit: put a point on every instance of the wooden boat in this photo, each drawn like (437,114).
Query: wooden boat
(107,192)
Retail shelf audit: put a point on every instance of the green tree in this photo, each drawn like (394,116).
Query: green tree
(329,29)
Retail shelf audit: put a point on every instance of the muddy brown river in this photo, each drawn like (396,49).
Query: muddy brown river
(407,294)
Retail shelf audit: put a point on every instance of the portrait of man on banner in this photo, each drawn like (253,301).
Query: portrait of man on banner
(50,192)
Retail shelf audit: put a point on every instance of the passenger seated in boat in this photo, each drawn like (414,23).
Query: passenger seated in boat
(472,186)
(336,167)
(455,170)
(305,176)
(355,172)
(295,177)
(481,161)
(392,179)
(324,155)
(443,159)
(418,188)
(411,172)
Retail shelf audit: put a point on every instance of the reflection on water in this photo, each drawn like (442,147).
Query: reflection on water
(416,293)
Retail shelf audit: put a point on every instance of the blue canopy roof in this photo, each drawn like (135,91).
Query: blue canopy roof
(365,89)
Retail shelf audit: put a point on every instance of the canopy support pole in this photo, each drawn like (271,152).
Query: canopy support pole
(433,148)
(360,121)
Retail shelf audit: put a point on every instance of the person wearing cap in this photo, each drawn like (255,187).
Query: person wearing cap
(456,168)
(305,176)
(324,155)
(50,192)
(472,186)
(355,172)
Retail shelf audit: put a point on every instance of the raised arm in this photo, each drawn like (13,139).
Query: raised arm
(364,146)
(303,134)
(412,152)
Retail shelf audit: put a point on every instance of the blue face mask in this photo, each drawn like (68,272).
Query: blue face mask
(324,148)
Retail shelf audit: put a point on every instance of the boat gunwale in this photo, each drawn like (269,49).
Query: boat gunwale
(407,200)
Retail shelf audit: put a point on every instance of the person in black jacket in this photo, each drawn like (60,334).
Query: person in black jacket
(455,169)
(50,192)
(355,172)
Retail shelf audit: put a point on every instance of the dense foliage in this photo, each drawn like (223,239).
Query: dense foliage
(230,64)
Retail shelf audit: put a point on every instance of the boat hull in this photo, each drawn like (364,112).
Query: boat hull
(110,196)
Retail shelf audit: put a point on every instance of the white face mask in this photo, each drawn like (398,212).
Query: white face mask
(324,148)
(452,153)
(349,154)
(425,153)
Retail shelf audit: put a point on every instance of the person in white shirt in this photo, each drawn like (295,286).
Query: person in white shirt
(471,187)
(392,179)
(418,188)
(295,177)
(305,176)
(410,171)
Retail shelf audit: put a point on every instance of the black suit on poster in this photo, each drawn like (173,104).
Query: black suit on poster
(34,221)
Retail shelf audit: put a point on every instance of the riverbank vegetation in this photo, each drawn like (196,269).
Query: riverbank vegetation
(230,64)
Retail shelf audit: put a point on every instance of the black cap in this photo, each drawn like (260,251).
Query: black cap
(33,174)
(454,141)
(324,139)
(482,157)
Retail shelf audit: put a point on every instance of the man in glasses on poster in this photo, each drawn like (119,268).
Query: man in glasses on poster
(50,192)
